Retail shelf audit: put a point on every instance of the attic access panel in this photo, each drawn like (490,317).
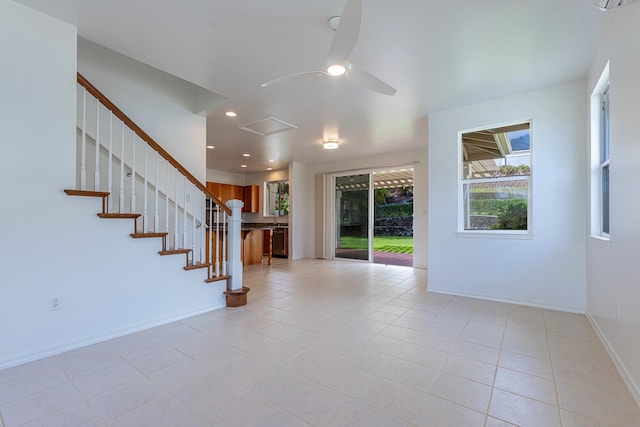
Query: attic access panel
(267,126)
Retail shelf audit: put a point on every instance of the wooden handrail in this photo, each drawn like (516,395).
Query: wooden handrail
(82,81)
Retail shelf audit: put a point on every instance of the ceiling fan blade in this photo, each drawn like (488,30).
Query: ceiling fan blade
(296,76)
(347,33)
(369,81)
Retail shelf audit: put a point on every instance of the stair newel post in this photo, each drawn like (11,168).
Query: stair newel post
(133,174)
(235,228)
(96,174)
(121,207)
(145,215)
(216,237)
(156,214)
(175,209)
(225,237)
(83,156)
(110,164)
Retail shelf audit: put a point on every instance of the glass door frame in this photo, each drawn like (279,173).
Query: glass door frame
(332,208)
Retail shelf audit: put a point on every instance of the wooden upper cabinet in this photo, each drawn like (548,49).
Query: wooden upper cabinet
(235,192)
(249,194)
(251,198)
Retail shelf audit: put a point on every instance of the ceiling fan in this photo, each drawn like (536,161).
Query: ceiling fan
(347,31)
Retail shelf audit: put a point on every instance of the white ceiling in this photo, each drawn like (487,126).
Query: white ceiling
(438,54)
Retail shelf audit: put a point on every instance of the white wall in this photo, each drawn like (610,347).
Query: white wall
(224,177)
(613,270)
(313,227)
(161,104)
(53,244)
(548,270)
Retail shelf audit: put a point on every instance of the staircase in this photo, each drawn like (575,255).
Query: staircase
(136,179)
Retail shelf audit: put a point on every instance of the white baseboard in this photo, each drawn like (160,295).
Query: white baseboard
(508,301)
(620,367)
(52,351)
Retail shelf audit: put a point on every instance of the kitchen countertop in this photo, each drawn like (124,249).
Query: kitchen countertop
(262,226)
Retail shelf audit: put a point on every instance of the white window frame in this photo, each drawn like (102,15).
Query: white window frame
(605,157)
(600,135)
(507,234)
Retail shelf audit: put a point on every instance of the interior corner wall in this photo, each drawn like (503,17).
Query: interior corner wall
(301,214)
(161,104)
(55,245)
(613,292)
(549,269)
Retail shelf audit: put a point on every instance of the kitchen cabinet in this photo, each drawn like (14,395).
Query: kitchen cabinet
(226,192)
(251,198)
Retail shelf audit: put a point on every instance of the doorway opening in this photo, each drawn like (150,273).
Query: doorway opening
(374,216)
(393,217)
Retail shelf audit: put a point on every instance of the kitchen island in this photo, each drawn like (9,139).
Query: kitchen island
(255,243)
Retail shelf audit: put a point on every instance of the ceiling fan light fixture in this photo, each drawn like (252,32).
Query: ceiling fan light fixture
(330,144)
(336,70)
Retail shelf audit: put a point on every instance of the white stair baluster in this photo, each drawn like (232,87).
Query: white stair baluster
(166,197)
(110,165)
(217,239)
(175,213)
(145,219)
(83,145)
(121,196)
(203,225)
(193,228)
(133,175)
(184,214)
(96,178)
(156,215)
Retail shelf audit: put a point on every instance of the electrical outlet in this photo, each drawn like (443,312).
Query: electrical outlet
(55,303)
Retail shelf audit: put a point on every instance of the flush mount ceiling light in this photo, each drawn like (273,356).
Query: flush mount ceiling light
(246,155)
(347,30)
(336,70)
(231,114)
(243,166)
(330,144)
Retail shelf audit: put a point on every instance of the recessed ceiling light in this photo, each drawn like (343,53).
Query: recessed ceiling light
(271,161)
(269,169)
(231,114)
(211,147)
(243,166)
(246,155)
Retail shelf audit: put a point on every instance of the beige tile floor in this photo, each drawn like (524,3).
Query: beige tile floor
(333,344)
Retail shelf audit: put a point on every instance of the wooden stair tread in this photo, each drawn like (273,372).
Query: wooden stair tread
(119,215)
(197,266)
(147,235)
(87,193)
(175,252)
(217,279)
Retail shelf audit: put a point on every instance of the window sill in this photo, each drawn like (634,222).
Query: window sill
(496,235)
(600,241)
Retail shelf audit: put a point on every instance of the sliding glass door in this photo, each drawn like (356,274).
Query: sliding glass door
(353,217)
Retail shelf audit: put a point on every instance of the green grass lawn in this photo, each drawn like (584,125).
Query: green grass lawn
(403,245)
